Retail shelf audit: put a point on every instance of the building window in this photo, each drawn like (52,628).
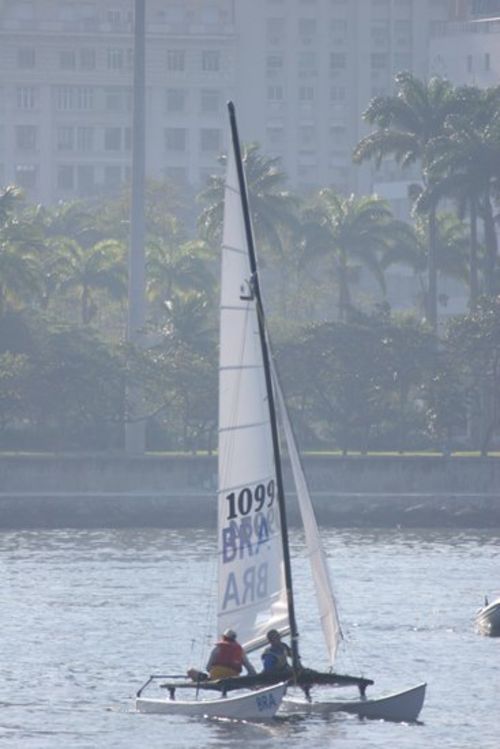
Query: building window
(275,135)
(274,63)
(26,58)
(210,60)
(337,93)
(87,58)
(74,97)
(275,93)
(114,17)
(307,135)
(113,99)
(85,138)
(65,138)
(337,61)
(306,93)
(337,133)
(127,138)
(175,99)
(379,60)
(25,97)
(307,30)
(307,61)
(470,65)
(65,177)
(380,33)
(402,61)
(112,139)
(115,58)
(26,137)
(64,98)
(210,100)
(26,175)
(85,97)
(112,176)
(67,59)
(176,59)
(210,140)
(338,28)
(487,61)
(402,29)
(175,139)
(85,179)
(275,30)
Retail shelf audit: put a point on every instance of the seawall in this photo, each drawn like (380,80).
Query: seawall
(93,491)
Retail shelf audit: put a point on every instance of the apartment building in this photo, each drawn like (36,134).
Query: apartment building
(301,72)
(467,51)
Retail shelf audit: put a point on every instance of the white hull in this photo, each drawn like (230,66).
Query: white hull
(261,704)
(401,706)
(488,619)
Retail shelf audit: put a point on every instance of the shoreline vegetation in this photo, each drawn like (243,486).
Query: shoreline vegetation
(386,332)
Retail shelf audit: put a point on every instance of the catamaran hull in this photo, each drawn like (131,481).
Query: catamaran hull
(401,706)
(488,619)
(261,704)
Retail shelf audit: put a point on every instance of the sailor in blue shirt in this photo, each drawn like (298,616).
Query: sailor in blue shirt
(274,657)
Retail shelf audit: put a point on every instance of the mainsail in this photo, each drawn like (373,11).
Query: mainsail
(252,593)
(319,566)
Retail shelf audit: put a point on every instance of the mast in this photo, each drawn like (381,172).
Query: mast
(255,289)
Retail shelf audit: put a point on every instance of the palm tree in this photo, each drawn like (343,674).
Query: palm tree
(351,229)
(102,267)
(61,228)
(406,123)
(190,321)
(19,246)
(174,268)
(464,163)
(451,252)
(273,209)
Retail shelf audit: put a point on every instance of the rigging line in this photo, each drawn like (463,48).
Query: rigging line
(231,367)
(233,307)
(206,580)
(237,487)
(238,427)
(234,249)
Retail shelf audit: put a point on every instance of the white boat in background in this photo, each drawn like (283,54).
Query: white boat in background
(255,585)
(255,705)
(487,619)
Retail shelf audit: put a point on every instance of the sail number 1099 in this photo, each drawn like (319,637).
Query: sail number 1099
(247,500)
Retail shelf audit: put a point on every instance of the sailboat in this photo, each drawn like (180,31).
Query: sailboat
(255,586)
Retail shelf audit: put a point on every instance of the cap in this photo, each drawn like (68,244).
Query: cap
(230,634)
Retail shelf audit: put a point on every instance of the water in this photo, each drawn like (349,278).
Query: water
(87,616)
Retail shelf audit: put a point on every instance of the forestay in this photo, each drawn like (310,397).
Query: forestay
(252,593)
(319,567)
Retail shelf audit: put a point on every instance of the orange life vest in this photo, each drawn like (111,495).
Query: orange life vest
(229,654)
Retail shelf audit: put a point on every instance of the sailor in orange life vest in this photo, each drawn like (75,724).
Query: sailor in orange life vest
(228,658)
